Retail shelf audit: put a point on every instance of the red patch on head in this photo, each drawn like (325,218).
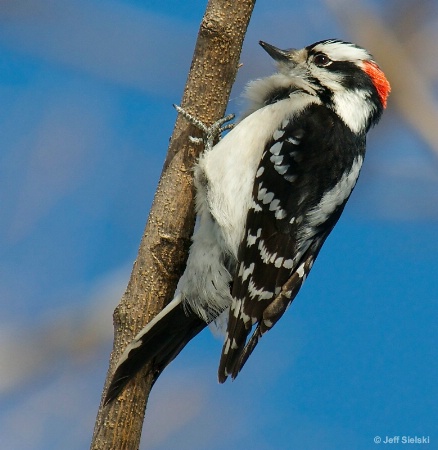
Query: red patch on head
(379,80)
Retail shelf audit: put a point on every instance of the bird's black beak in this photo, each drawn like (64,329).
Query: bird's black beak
(277,54)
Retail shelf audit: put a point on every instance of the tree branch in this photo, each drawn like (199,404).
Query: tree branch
(163,249)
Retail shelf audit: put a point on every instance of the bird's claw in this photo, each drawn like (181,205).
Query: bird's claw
(212,132)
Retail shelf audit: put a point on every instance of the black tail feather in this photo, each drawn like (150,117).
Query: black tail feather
(158,343)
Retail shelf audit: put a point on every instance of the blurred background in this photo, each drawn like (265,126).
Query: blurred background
(86,93)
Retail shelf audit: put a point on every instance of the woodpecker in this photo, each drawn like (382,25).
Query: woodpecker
(267,196)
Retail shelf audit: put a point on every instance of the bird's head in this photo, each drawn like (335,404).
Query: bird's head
(343,75)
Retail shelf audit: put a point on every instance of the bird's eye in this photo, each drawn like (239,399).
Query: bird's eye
(321,60)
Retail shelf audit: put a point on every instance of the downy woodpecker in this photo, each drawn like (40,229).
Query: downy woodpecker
(267,196)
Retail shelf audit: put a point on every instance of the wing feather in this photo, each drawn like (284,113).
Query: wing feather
(300,165)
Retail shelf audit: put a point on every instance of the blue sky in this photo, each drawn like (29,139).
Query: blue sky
(86,90)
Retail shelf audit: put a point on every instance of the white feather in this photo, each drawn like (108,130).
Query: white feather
(230,167)
(224,178)
(353,108)
(335,196)
(342,51)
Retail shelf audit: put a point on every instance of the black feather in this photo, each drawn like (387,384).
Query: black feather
(305,159)
(158,347)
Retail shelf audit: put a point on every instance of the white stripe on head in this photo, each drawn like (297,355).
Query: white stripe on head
(342,51)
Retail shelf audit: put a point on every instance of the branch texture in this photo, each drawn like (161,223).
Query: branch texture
(164,246)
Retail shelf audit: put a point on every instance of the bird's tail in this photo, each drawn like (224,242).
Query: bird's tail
(159,342)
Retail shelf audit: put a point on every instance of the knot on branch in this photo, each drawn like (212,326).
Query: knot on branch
(217,28)
(169,255)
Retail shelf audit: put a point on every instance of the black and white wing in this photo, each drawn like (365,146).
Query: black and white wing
(301,186)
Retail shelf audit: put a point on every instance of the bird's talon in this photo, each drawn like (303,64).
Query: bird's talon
(195,140)
(211,133)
